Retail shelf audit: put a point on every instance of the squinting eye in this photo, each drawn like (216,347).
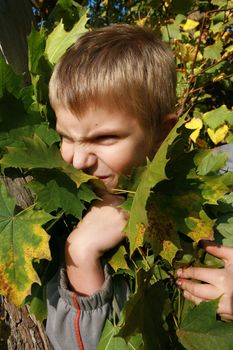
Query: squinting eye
(107,138)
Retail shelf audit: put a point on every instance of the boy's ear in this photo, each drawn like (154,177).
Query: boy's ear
(169,121)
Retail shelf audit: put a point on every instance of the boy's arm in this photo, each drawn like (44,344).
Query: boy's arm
(100,230)
(76,322)
(76,315)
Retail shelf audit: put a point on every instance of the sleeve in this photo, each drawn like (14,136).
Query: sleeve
(76,322)
(227,148)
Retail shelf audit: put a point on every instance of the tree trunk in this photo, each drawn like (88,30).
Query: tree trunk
(21,331)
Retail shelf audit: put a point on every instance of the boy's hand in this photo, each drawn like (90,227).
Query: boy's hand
(100,230)
(217,282)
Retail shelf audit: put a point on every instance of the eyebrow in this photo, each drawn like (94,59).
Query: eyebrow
(91,137)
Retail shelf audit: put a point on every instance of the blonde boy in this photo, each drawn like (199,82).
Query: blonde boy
(113,93)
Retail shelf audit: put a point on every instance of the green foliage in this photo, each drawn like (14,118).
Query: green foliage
(178,198)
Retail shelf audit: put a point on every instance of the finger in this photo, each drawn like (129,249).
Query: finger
(203,274)
(199,290)
(192,298)
(221,252)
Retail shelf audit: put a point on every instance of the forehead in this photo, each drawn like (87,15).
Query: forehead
(94,119)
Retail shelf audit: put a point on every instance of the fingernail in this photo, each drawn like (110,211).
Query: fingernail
(178,282)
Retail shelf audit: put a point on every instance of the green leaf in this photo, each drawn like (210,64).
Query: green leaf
(220,3)
(201,330)
(214,187)
(109,340)
(55,190)
(171,31)
(211,163)
(213,51)
(117,261)
(60,40)
(22,240)
(143,313)
(34,154)
(154,173)
(9,81)
(36,47)
(13,114)
(224,225)
(47,134)
(38,305)
(218,117)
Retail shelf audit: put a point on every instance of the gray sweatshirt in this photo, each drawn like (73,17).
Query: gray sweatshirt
(75,322)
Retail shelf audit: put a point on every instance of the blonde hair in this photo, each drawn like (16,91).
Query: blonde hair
(120,66)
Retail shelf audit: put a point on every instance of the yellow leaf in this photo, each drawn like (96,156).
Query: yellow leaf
(195,123)
(219,77)
(195,135)
(141,22)
(190,24)
(187,52)
(229,48)
(218,135)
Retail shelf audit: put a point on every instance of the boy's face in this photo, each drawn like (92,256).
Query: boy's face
(103,143)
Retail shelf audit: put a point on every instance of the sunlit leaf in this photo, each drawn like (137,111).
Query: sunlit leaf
(118,260)
(195,124)
(217,117)
(219,134)
(214,51)
(59,40)
(190,24)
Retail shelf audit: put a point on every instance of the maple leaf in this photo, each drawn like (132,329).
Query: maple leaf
(22,240)
(200,329)
(153,174)
(59,40)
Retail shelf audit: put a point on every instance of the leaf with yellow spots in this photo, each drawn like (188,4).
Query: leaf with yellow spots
(161,232)
(22,241)
(187,52)
(200,227)
(218,135)
(153,174)
(118,261)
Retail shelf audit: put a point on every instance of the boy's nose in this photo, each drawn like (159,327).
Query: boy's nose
(83,158)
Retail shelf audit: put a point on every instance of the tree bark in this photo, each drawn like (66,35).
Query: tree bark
(21,331)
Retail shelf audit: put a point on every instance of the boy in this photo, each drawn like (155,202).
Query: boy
(113,94)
